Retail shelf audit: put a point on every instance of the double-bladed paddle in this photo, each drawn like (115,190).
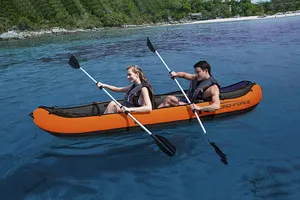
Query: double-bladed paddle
(166,146)
(217,149)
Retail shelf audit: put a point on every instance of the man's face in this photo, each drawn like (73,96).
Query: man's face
(200,74)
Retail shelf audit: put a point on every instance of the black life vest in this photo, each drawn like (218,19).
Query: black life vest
(197,88)
(132,96)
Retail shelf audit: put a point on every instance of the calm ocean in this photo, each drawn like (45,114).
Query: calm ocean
(262,146)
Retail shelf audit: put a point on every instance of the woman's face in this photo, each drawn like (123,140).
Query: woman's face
(132,77)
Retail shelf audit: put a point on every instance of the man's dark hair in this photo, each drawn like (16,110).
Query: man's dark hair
(203,65)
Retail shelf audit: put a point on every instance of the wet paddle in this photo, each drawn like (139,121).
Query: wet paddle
(161,142)
(217,149)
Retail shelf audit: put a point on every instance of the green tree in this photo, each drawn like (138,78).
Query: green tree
(31,14)
(247,7)
(24,24)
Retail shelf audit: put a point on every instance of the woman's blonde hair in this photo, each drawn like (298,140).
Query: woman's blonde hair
(137,69)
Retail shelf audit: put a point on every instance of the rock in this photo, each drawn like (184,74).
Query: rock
(59,30)
(11,35)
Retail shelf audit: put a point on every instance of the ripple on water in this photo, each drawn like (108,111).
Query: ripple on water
(272,179)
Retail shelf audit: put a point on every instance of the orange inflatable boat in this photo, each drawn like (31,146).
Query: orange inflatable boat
(89,119)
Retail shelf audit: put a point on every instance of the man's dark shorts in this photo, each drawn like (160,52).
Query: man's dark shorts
(182,99)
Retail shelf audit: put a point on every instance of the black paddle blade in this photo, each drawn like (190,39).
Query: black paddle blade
(73,62)
(164,145)
(149,44)
(220,153)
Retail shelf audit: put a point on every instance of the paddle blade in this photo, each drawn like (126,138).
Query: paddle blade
(149,44)
(73,62)
(164,145)
(220,153)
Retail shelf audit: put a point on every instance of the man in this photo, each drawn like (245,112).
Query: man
(203,86)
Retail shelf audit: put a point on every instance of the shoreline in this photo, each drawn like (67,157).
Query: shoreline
(246,18)
(57,31)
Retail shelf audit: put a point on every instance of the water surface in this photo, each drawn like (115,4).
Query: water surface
(262,145)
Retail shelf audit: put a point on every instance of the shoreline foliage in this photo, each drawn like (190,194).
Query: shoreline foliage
(35,15)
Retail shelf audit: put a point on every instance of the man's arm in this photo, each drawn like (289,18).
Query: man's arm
(184,75)
(215,100)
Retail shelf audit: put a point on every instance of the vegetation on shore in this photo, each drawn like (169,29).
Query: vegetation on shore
(71,14)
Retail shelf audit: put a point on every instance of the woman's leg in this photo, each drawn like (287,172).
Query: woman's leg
(169,101)
(112,108)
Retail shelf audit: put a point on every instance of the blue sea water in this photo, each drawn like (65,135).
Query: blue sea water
(262,146)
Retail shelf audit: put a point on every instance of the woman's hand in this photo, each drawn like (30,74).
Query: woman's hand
(124,109)
(99,84)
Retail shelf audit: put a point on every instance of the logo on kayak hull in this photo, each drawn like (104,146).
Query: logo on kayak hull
(234,103)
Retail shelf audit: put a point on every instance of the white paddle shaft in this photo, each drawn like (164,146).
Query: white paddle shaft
(188,100)
(141,125)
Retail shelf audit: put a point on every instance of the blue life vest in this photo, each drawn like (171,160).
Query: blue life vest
(197,88)
(132,96)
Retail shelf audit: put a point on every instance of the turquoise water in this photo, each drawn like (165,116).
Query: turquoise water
(261,146)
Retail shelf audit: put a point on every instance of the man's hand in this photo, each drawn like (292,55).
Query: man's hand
(193,106)
(173,74)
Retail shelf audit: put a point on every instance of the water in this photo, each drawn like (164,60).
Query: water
(262,145)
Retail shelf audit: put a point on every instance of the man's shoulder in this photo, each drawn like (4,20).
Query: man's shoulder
(214,89)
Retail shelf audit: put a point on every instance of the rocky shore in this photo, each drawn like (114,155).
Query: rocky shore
(17,34)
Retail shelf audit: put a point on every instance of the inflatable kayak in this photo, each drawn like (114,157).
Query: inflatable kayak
(89,119)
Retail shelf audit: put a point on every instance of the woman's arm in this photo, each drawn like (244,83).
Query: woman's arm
(114,88)
(147,107)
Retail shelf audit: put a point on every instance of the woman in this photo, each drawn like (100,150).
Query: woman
(138,97)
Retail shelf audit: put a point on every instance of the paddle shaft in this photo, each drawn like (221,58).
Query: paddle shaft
(141,125)
(161,142)
(217,149)
(188,100)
